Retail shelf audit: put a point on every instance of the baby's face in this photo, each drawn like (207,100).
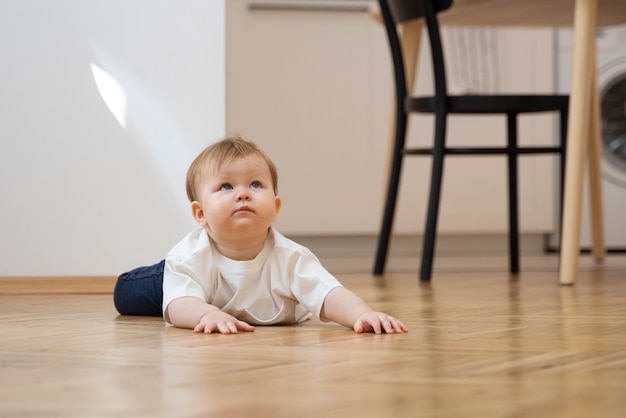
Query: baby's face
(238,198)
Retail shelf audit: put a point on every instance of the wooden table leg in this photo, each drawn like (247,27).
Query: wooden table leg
(577,133)
(411,40)
(598,246)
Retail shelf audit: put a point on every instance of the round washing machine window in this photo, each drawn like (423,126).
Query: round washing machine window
(612,80)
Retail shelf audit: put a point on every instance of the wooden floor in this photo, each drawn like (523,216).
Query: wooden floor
(481,344)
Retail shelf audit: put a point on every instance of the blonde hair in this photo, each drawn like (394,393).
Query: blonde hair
(215,155)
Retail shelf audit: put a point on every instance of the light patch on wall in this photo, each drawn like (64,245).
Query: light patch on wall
(112,93)
(146,114)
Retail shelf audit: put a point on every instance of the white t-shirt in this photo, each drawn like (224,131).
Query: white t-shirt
(284,284)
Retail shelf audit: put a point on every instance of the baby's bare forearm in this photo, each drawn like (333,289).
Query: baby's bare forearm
(349,310)
(186,312)
(344,307)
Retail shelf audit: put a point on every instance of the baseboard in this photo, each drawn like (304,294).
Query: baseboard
(57,285)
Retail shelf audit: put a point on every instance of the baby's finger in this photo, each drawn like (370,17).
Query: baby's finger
(201,328)
(402,327)
(226,328)
(387,325)
(376,326)
(205,328)
(398,326)
(244,326)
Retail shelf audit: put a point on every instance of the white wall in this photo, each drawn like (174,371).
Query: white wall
(92,174)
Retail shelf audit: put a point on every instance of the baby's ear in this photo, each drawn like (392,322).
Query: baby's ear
(279,204)
(198,213)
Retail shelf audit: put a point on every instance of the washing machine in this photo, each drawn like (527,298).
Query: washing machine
(611,46)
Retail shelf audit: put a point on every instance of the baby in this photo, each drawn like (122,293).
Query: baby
(237,271)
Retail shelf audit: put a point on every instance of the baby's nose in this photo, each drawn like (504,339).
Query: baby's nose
(243,195)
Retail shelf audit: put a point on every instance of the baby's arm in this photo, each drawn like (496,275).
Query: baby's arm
(193,313)
(347,309)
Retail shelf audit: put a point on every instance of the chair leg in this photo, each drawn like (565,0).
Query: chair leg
(392,195)
(562,159)
(513,194)
(430,230)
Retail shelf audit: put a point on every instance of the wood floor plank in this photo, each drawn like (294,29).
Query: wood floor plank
(480,344)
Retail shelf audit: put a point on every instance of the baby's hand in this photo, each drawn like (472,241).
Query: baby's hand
(218,321)
(379,322)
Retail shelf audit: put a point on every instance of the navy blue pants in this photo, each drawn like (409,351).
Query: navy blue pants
(140,291)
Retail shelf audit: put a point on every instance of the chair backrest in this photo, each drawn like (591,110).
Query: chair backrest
(395,12)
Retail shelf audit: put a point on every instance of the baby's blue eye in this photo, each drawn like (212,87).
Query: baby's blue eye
(226,186)
(255,185)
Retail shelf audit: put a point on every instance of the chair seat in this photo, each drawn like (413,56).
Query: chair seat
(491,103)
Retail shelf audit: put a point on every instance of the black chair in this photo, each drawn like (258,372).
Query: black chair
(394,13)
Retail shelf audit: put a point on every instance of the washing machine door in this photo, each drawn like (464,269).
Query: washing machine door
(612,79)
